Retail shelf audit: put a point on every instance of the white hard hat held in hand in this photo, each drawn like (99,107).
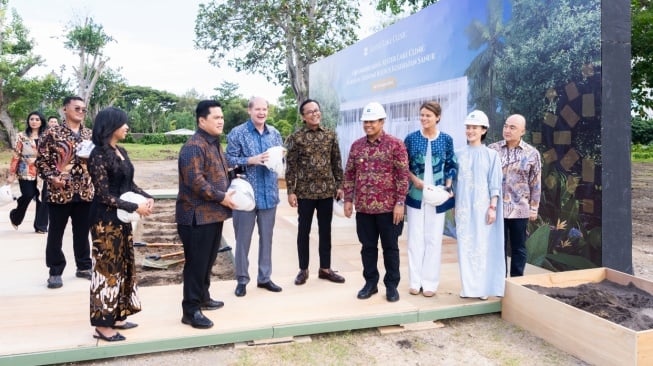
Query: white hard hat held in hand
(434,195)
(128,217)
(244,196)
(5,195)
(275,161)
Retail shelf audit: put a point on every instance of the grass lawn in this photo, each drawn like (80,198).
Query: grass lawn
(135,151)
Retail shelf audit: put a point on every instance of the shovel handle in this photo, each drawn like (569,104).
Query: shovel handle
(143,244)
(161,256)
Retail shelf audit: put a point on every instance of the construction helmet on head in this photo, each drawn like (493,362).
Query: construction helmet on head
(372,112)
(477,118)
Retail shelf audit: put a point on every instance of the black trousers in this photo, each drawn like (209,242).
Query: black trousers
(28,192)
(305,209)
(371,227)
(201,244)
(78,212)
(515,244)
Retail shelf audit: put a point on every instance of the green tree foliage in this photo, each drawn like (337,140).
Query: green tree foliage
(642,130)
(277,39)
(642,56)
(482,76)
(288,110)
(16,59)
(108,89)
(234,105)
(88,41)
(147,108)
(550,54)
(397,6)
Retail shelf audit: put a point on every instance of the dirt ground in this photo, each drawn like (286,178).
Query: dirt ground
(478,340)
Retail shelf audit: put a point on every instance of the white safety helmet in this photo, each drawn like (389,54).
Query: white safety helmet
(276,161)
(339,208)
(373,111)
(84,149)
(5,195)
(244,196)
(477,118)
(129,217)
(434,195)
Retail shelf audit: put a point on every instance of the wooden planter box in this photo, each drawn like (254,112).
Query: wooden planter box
(582,334)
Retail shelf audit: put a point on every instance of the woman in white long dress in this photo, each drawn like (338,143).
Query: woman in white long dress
(479,233)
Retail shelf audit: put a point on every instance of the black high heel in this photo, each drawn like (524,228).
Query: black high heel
(114,338)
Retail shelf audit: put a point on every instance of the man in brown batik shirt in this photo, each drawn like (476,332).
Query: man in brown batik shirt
(70,190)
(313,178)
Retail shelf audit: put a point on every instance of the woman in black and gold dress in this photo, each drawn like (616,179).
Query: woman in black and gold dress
(113,284)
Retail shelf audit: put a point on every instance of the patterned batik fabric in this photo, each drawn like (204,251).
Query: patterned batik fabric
(376,175)
(58,158)
(313,164)
(114,293)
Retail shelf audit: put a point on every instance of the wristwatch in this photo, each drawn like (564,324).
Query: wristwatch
(448,189)
(400,203)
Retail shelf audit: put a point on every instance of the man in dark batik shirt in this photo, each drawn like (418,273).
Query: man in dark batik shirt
(313,178)
(70,190)
(203,205)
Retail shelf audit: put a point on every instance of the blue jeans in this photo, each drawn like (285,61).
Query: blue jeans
(515,240)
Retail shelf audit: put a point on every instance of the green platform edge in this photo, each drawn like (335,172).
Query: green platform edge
(280,331)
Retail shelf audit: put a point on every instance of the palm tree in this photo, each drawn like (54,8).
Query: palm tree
(481,70)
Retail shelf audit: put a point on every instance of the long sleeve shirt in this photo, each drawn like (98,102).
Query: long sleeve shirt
(313,164)
(376,175)
(58,158)
(522,170)
(443,163)
(203,181)
(23,162)
(245,141)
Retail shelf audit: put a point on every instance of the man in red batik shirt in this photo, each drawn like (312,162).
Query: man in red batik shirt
(376,182)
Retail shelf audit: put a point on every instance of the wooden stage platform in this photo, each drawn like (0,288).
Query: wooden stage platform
(44,326)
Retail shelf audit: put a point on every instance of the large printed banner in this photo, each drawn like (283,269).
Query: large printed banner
(413,52)
(538,58)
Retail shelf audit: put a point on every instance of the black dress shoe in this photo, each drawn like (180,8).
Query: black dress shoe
(367,291)
(302,276)
(270,286)
(392,294)
(330,275)
(197,320)
(212,305)
(241,290)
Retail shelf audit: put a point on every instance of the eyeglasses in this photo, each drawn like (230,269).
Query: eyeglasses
(314,111)
(80,109)
(371,122)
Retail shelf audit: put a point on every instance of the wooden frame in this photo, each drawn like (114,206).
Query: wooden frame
(585,335)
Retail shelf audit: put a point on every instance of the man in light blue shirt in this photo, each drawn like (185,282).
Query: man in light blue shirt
(247,146)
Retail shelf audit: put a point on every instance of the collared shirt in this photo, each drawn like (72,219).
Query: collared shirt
(245,141)
(203,181)
(376,175)
(522,170)
(23,162)
(313,164)
(58,158)
(443,163)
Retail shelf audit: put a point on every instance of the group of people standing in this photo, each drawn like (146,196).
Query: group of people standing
(495,191)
